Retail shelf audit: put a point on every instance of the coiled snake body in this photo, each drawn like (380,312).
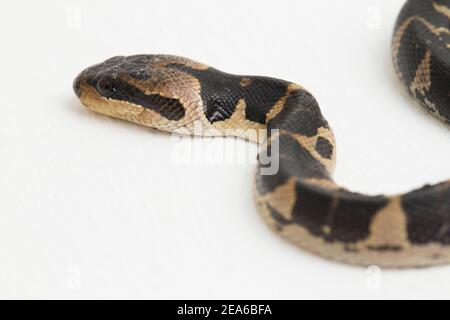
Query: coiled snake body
(300,201)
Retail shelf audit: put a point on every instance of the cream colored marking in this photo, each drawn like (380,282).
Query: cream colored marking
(164,60)
(432,107)
(323,183)
(389,226)
(422,80)
(436,30)
(174,85)
(398,37)
(275,110)
(326,230)
(310,144)
(442,9)
(235,124)
(245,82)
(283,198)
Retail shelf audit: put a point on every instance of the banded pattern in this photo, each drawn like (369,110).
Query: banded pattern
(420,50)
(300,201)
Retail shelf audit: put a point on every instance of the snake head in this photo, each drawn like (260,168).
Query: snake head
(146,89)
(97,74)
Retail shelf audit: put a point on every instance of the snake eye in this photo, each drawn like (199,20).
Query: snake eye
(106,87)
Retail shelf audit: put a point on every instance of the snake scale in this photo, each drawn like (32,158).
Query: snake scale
(300,201)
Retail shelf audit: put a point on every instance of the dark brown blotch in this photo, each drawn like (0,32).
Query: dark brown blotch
(324,147)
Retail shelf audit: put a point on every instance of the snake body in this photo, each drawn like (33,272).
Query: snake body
(299,201)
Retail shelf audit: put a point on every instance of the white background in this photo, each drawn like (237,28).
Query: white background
(92,207)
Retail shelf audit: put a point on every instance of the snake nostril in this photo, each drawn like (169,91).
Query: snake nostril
(77,86)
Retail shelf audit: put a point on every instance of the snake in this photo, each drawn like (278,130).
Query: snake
(294,191)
